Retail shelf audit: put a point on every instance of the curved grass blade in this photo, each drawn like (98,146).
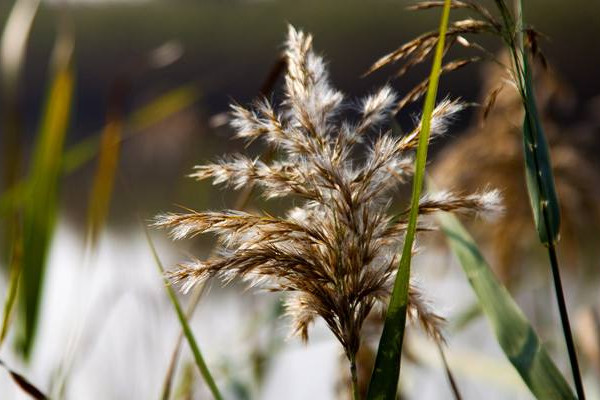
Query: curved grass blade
(185,326)
(15,276)
(40,205)
(24,384)
(515,335)
(384,379)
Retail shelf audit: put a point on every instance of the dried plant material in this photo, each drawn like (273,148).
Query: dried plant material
(421,88)
(335,253)
(490,100)
(416,51)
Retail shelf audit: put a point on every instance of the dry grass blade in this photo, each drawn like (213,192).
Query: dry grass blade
(111,136)
(490,100)
(100,195)
(457,4)
(24,384)
(421,88)
(417,49)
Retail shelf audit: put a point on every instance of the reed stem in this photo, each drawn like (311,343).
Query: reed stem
(354,375)
(564,318)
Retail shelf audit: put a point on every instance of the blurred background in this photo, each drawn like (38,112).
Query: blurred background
(106,106)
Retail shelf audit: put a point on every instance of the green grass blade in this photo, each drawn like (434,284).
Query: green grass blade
(40,205)
(13,285)
(185,326)
(384,379)
(538,169)
(515,335)
(540,185)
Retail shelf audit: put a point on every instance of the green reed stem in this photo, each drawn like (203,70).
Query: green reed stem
(564,319)
(384,379)
(545,189)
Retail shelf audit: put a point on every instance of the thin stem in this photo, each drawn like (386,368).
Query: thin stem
(516,42)
(449,375)
(204,371)
(564,318)
(354,375)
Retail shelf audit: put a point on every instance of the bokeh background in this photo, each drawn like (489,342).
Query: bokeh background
(164,72)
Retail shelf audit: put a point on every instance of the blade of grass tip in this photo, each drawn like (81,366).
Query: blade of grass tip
(204,371)
(15,275)
(41,202)
(514,333)
(111,137)
(542,192)
(384,379)
(99,201)
(24,384)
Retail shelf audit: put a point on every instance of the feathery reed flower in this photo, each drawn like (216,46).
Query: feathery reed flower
(335,254)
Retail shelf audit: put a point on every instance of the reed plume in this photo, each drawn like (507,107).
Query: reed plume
(335,253)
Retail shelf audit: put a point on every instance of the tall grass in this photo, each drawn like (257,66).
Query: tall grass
(40,206)
(538,168)
(384,380)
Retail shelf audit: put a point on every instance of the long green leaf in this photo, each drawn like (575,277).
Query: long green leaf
(185,326)
(540,184)
(384,379)
(538,169)
(515,335)
(40,205)
(13,285)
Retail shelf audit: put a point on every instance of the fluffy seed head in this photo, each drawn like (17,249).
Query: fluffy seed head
(335,254)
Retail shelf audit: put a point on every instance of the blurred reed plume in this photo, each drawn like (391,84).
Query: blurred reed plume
(336,253)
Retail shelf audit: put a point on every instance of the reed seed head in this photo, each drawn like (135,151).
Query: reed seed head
(335,254)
